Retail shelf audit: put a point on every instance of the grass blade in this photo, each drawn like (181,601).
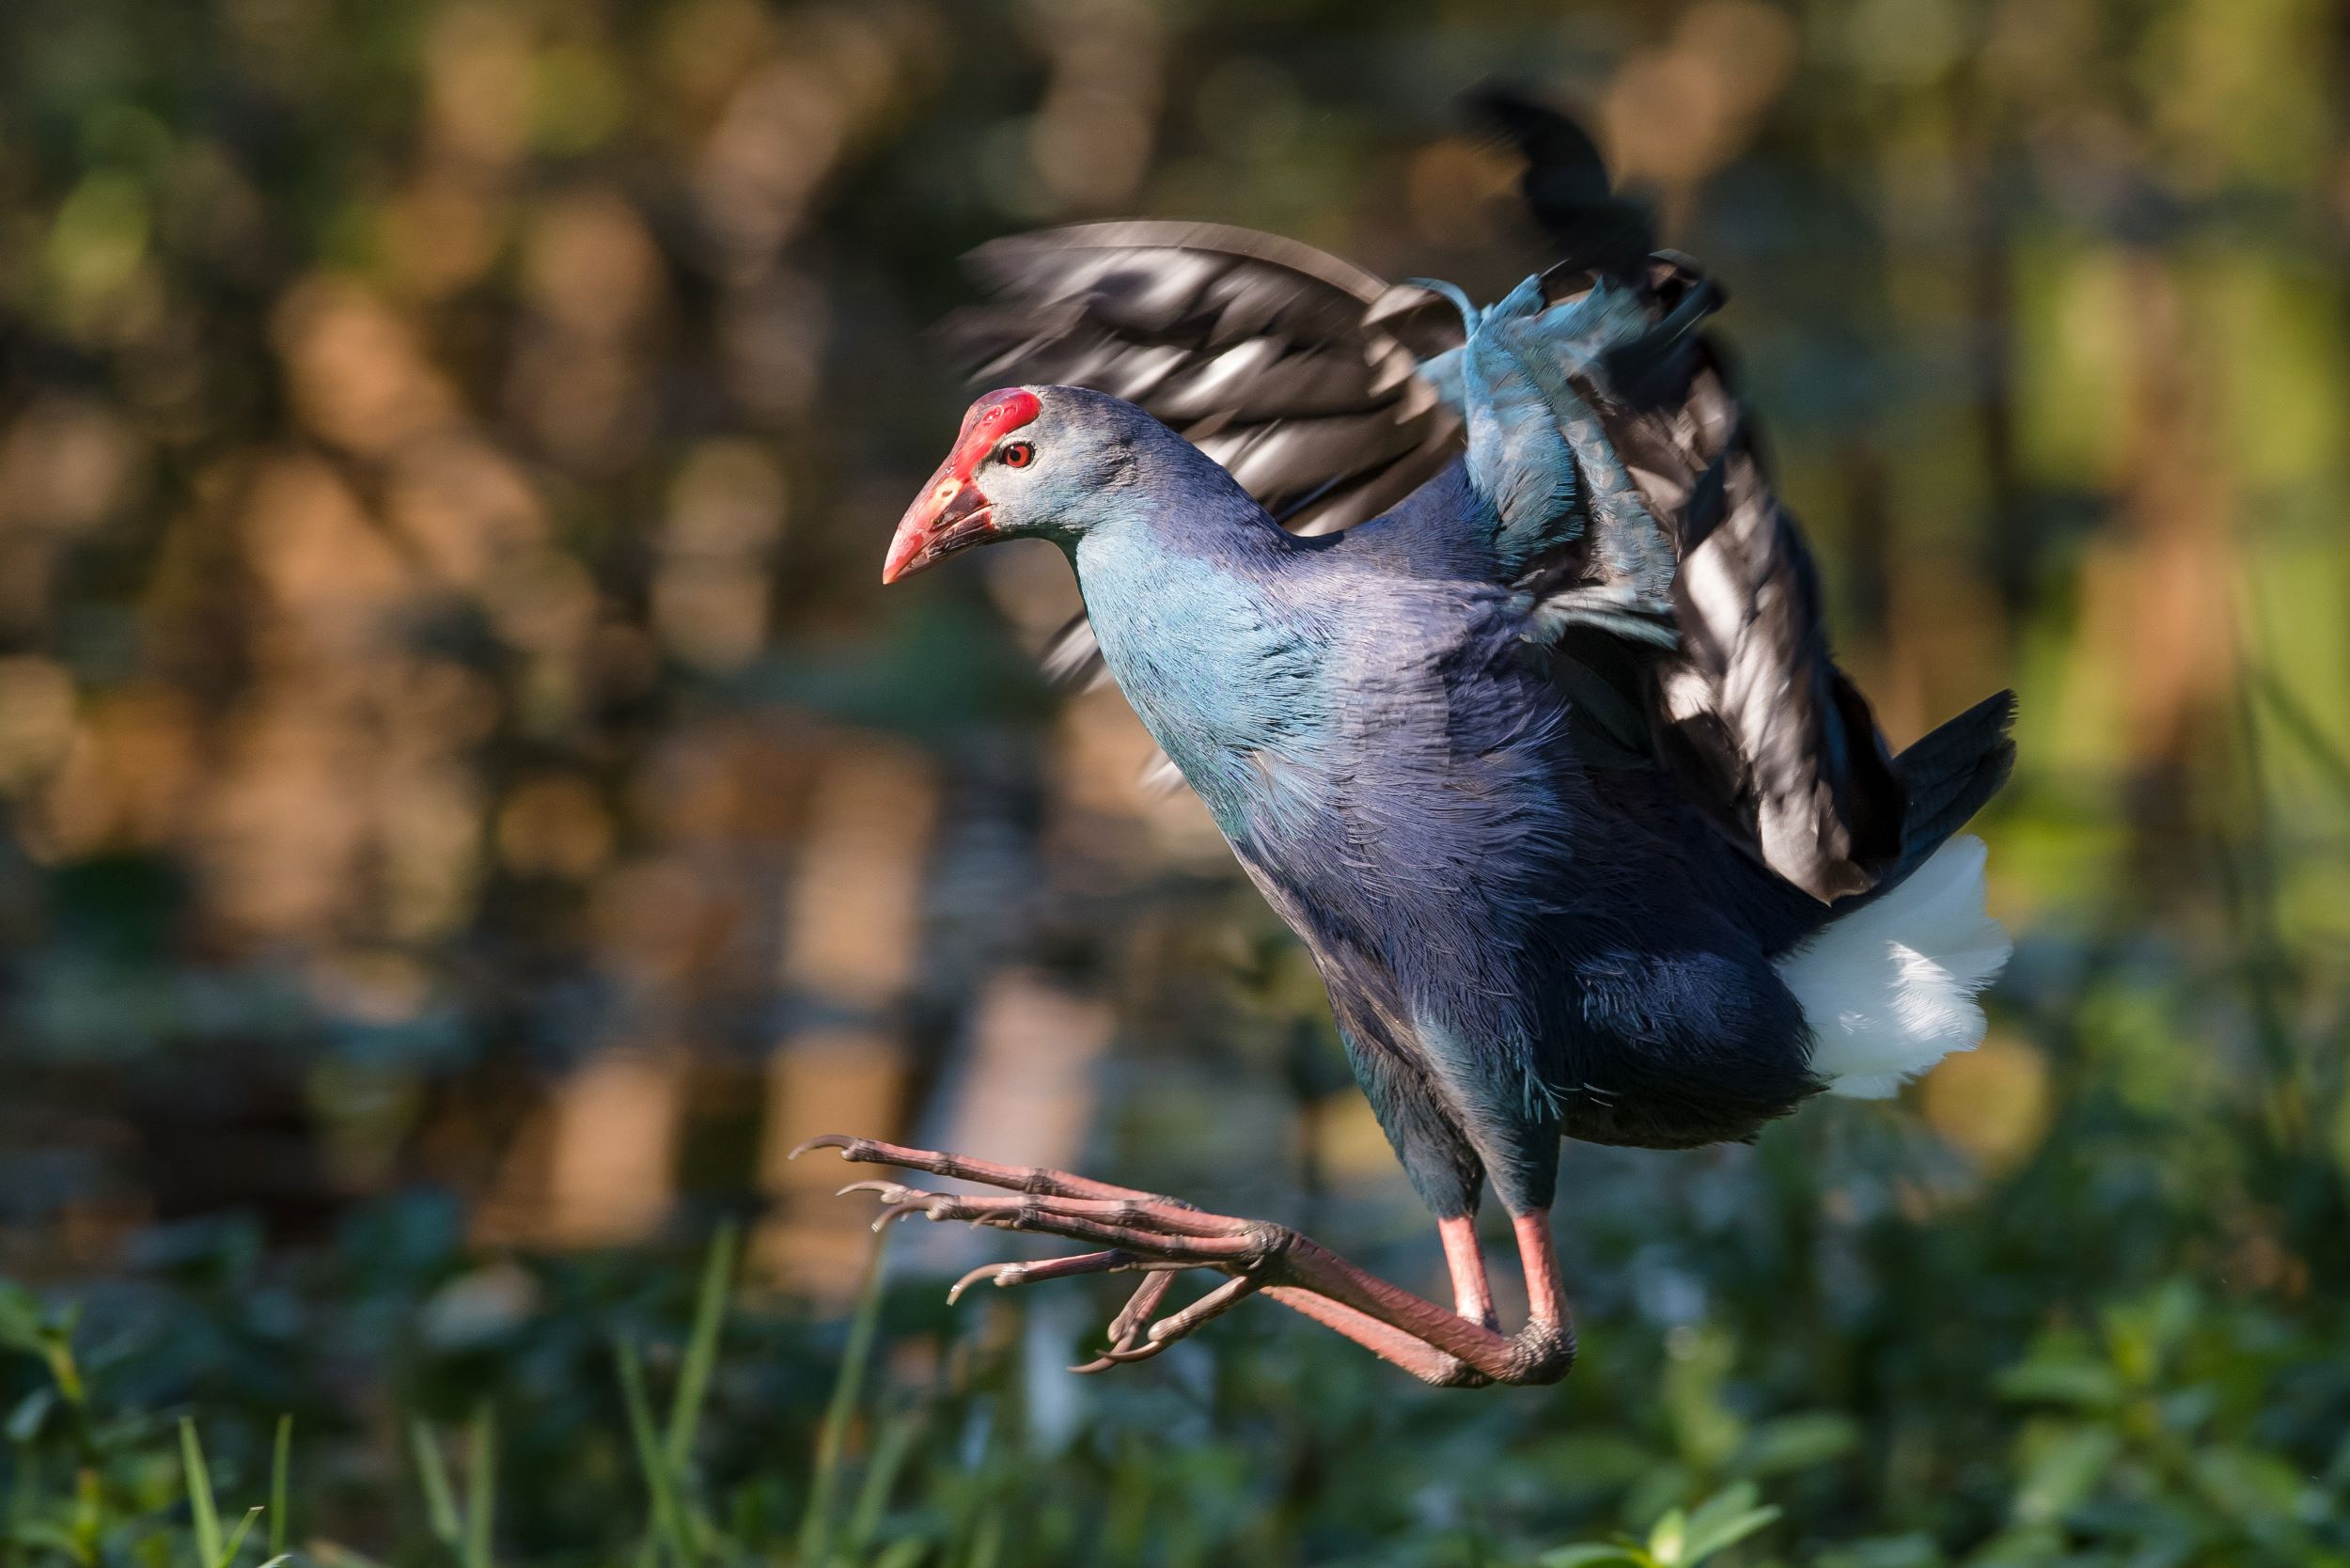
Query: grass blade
(701,1346)
(280,1460)
(236,1537)
(667,1517)
(199,1485)
(987,1541)
(889,1456)
(847,1388)
(480,1487)
(2303,726)
(440,1502)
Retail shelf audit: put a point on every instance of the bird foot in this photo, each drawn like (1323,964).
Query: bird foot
(1138,1231)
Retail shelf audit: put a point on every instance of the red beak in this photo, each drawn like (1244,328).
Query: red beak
(952,514)
(949,514)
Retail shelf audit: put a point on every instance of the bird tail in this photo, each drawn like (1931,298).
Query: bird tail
(1948,776)
(1888,984)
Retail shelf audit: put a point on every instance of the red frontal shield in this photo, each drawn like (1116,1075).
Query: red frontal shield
(952,511)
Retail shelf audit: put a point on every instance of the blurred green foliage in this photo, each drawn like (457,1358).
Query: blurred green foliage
(455,762)
(2161,1436)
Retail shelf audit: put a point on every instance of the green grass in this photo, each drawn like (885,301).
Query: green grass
(2150,1431)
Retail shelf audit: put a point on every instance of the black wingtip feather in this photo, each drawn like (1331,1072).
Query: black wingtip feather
(1565,184)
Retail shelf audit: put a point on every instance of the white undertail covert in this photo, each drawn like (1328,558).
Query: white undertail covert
(1890,989)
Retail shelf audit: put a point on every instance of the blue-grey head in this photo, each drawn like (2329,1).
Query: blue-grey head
(1040,462)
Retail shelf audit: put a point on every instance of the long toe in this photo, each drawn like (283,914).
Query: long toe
(1179,1325)
(1036,1179)
(1005,1275)
(1133,1321)
(1175,1232)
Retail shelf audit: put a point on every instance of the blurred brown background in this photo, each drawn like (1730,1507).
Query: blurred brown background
(451,732)
(467,805)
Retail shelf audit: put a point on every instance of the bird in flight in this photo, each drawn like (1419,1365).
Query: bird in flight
(1486,641)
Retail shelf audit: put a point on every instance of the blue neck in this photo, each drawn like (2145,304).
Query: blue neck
(1187,601)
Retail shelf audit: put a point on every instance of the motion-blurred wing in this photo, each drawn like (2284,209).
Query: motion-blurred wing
(1295,370)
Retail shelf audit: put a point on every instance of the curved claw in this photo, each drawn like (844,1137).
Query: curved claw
(1175,1325)
(1115,1260)
(1005,1275)
(1139,1308)
(889,1192)
(1126,1356)
(1132,1317)
(841,1141)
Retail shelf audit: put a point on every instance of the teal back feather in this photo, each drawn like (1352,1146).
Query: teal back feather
(1538,454)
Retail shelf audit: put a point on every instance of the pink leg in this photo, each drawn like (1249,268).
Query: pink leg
(1433,1344)
(1390,1344)
(1541,1352)
(1546,1292)
(1472,1295)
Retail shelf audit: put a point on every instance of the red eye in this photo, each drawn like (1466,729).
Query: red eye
(1018,454)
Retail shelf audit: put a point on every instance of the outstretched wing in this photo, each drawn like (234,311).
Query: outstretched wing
(1295,370)
(1629,502)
